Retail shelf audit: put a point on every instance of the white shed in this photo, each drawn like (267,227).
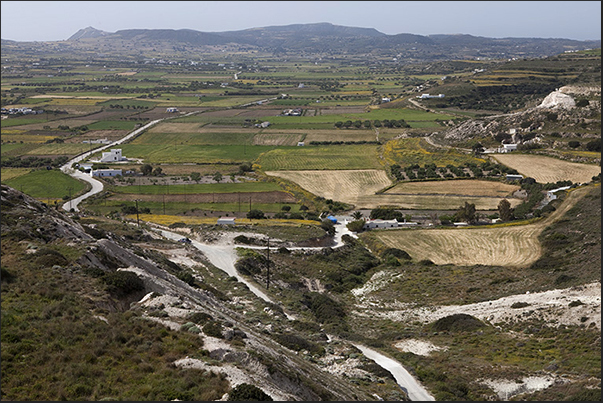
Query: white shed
(226,221)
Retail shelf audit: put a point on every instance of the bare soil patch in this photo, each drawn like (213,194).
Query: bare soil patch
(456,187)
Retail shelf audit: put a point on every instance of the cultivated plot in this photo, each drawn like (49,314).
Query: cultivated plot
(346,186)
(549,170)
(496,246)
(456,187)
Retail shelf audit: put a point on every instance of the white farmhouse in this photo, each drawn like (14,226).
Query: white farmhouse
(113,156)
(378,223)
(106,172)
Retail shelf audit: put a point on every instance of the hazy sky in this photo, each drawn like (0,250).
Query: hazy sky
(58,20)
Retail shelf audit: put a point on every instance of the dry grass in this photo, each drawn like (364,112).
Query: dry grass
(547,169)
(497,245)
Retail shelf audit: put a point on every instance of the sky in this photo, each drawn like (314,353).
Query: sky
(58,20)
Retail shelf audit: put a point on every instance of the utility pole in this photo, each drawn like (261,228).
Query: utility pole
(268,264)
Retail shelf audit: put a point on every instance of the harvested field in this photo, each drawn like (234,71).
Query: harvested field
(346,186)
(456,187)
(358,187)
(548,169)
(516,246)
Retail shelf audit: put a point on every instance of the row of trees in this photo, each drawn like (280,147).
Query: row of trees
(367,124)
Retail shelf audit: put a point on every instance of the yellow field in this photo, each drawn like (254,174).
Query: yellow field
(10,173)
(346,186)
(456,187)
(547,169)
(358,187)
(498,245)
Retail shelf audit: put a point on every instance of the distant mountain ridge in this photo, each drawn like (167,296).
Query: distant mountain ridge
(322,39)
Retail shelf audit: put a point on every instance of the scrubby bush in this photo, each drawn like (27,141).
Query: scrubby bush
(247,392)
(457,322)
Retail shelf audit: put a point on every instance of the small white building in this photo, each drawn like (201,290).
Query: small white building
(508,148)
(511,177)
(226,221)
(378,223)
(551,193)
(113,156)
(300,143)
(171,110)
(106,172)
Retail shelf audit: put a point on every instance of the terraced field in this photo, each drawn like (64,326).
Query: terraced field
(547,169)
(500,246)
(358,187)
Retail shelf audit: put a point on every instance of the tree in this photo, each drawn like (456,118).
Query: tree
(356,226)
(217,177)
(357,215)
(146,169)
(504,210)
(157,171)
(196,176)
(286,208)
(328,226)
(477,148)
(466,213)
(255,214)
(574,143)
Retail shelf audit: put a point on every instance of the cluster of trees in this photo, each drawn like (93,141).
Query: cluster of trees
(33,162)
(431,171)
(375,123)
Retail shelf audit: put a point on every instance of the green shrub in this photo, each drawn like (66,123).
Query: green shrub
(457,322)
(123,282)
(214,329)
(247,392)
(395,252)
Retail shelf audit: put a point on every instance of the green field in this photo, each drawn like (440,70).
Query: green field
(46,184)
(191,138)
(320,157)
(198,188)
(183,208)
(174,154)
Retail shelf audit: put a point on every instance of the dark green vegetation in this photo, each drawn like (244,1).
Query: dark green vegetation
(61,285)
